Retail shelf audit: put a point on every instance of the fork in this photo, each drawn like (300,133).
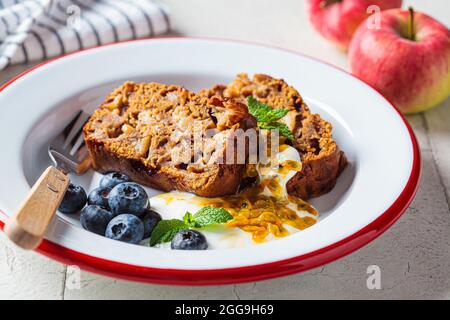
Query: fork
(68,152)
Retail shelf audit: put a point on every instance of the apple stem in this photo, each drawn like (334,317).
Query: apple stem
(411,31)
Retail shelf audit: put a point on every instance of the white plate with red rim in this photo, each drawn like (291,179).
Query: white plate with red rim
(371,194)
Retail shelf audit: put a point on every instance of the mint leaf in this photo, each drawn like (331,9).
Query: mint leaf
(188,218)
(262,112)
(267,117)
(276,114)
(257,109)
(210,215)
(165,230)
(281,127)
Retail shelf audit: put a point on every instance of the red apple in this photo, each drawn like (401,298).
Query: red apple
(337,20)
(407,59)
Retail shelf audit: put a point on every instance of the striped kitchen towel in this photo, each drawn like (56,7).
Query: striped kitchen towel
(32,30)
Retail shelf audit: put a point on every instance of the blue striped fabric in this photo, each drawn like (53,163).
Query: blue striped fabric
(32,30)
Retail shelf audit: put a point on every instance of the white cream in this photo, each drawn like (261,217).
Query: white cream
(289,153)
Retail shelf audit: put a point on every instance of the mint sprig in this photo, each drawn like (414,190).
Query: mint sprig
(165,230)
(267,118)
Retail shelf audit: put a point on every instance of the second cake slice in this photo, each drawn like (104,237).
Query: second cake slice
(322,159)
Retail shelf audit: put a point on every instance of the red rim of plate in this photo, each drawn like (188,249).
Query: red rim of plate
(248,273)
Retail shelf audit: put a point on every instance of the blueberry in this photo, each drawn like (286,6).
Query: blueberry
(189,240)
(99,197)
(112,179)
(150,220)
(74,199)
(95,219)
(126,228)
(128,197)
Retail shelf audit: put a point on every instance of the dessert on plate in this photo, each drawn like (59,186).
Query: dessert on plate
(198,150)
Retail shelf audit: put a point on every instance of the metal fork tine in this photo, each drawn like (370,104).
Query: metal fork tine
(77,145)
(82,118)
(68,150)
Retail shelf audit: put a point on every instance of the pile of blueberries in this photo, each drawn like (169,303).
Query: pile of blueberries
(119,209)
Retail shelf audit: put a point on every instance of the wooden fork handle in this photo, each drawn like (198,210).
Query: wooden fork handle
(27,227)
